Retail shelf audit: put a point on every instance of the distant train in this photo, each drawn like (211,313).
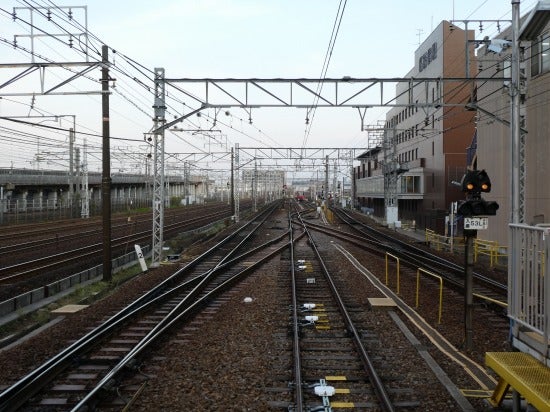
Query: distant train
(300,197)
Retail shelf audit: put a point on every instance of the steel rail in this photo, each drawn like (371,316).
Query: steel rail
(17,394)
(376,381)
(421,254)
(298,388)
(58,259)
(452,275)
(54,239)
(187,307)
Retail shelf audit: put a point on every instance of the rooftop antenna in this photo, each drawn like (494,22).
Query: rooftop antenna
(419,33)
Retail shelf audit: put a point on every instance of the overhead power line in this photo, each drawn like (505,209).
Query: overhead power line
(328,56)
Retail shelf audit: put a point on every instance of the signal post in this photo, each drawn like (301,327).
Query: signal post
(475,211)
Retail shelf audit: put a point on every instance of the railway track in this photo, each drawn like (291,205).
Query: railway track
(343,356)
(334,350)
(75,256)
(329,349)
(116,346)
(487,290)
(30,241)
(26,233)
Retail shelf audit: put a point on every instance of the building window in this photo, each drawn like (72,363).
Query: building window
(535,55)
(540,55)
(545,53)
(410,184)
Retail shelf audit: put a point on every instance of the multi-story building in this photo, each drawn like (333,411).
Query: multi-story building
(426,134)
(264,181)
(494,135)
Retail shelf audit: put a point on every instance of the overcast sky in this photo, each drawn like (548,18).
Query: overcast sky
(215,39)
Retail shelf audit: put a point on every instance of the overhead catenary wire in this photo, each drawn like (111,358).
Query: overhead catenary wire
(127,95)
(326,62)
(147,73)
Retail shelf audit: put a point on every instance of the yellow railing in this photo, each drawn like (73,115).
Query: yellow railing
(397,269)
(440,289)
(440,242)
(489,248)
(481,247)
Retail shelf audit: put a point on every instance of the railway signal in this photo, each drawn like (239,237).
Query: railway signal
(474,183)
(477,207)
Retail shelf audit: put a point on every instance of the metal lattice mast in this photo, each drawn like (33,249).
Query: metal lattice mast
(231,197)
(326,179)
(41,11)
(71,177)
(85,193)
(386,168)
(517,215)
(237,181)
(255,186)
(522,134)
(390,175)
(352,179)
(334,179)
(158,168)
(522,173)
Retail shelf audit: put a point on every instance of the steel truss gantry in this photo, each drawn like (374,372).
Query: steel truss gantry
(359,93)
(344,92)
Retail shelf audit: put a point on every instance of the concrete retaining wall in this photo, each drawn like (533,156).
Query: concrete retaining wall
(62,286)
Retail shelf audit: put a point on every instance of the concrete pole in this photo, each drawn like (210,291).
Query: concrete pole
(106,170)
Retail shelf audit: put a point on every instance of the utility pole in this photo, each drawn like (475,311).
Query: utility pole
(106,173)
